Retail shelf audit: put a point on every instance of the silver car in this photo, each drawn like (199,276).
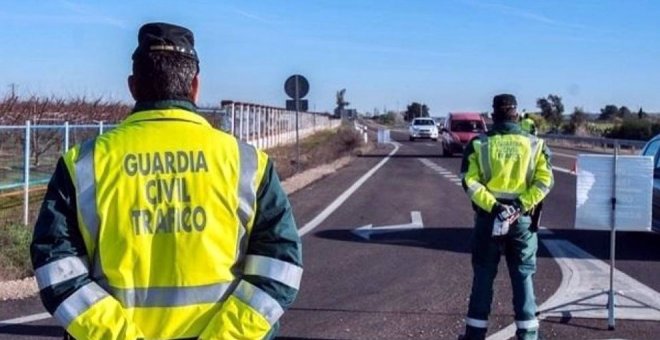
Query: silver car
(423,128)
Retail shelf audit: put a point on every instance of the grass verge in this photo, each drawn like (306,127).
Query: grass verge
(321,148)
(15,252)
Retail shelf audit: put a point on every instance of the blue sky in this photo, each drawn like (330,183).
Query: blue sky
(453,55)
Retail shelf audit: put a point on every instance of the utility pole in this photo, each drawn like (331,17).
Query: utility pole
(13,89)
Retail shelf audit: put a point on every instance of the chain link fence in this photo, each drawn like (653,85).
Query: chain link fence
(29,153)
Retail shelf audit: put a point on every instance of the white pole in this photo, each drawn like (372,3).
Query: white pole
(66,136)
(252,125)
(259,117)
(278,132)
(240,122)
(269,127)
(100,127)
(26,176)
(233,118)
(610,301)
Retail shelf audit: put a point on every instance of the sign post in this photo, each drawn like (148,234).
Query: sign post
(610,300)
(296,87)
(614,193)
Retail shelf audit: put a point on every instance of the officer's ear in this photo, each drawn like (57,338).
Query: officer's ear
(194,89)
(131,85)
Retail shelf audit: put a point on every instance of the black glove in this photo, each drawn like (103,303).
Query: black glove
(518,205)
(505,212)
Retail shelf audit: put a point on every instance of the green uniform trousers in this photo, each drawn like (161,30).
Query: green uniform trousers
(519,247)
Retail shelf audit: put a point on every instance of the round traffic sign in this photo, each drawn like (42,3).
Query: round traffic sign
(296,86)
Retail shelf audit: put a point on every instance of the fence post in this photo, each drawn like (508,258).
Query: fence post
(66,136)
(233,119)
(240,122)
(259,116)
(26,175)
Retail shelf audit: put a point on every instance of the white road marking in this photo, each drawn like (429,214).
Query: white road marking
(564,155)
(583,278)
(441,171)
(564,170)
(366,231)
(582,292)
(344,196)
(586,284)
(24,319)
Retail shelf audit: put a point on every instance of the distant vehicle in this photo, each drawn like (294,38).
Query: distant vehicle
(439,122)
(652,148)
(423,128)
(458,130)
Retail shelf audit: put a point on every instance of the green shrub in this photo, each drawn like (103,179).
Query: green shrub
(637,129)
(15,252)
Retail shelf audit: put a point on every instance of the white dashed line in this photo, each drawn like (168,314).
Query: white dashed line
(441,171)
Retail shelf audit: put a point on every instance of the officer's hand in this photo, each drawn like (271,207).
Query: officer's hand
(505,212)
(518,205)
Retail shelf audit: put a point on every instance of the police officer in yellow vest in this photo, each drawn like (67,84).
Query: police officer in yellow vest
(528,125)
(164,227)
(506,172)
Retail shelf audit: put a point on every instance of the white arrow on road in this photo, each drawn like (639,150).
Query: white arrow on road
(366,231)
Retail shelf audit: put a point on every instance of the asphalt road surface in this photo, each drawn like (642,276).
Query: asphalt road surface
(412,283)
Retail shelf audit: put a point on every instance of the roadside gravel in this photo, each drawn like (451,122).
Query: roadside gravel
(27,287)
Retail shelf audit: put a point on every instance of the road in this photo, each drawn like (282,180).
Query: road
(414,283)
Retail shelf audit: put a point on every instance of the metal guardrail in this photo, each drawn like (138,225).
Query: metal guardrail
(606,143)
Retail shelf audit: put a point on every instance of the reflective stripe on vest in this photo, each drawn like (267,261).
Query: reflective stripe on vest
(476,323)
(86,190)
(247,192)
(271,268)
(473,187)
(505,195)
(532,160)
(528,324)
(484,162)
(80,301)
(247,196)
(86,199)
(544,188)
(170,296)
(61,270)
(259,300)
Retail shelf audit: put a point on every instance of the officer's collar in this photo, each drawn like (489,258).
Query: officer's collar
(507,127)
(164,105)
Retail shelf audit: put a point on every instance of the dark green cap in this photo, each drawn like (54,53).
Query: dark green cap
(504,101)
(164,37)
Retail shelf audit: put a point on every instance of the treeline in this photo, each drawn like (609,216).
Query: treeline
(15,110)
(52,111)
(613,121)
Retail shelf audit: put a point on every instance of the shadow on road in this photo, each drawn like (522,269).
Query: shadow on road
(415,155)
(36,330)
(630,246)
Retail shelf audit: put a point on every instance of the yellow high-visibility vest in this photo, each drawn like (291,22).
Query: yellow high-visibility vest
(508,167)
(528,125)
(166,205)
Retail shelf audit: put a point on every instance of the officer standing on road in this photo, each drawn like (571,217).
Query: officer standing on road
(528,125)
(166,227)
(505,173)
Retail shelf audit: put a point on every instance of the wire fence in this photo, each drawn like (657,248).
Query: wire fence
(29,152)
